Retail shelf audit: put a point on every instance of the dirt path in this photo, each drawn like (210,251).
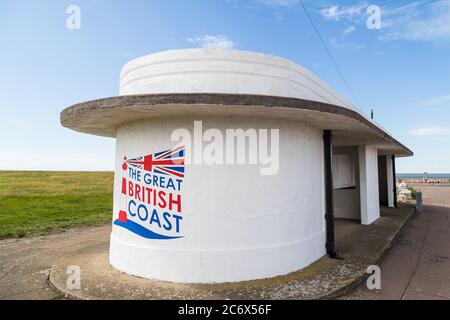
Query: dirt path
(25,263)
(418,265)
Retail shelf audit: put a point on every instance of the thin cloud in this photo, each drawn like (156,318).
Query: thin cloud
(404,8)
(337,13)
(426,21)
(436,101)
(431,131)
(349,30)
(212,41)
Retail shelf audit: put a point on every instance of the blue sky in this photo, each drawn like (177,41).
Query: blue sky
(402,70)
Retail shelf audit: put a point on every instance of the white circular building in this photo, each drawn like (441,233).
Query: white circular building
(225,167)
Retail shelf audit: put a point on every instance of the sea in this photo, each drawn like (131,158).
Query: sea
(425,175)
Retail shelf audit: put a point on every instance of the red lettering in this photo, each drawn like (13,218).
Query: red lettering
(149,198)
(163,203)
(143,194)
(138,192)
(176,202)
(130,189)
(161,199)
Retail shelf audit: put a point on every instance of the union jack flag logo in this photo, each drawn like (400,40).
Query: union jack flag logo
(169,162)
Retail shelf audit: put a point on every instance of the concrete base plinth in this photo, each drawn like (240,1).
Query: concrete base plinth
(358,245)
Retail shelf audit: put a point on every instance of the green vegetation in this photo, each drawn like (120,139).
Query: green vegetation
(36,203)
(413,192)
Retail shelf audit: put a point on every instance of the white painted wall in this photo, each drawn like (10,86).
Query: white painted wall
(344,173)
(390,181)
(237,224)
(368,177)
(346,201)
(224,71)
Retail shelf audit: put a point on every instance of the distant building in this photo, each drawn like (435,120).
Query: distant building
(201,223)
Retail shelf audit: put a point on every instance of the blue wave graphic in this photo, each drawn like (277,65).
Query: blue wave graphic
(143,232)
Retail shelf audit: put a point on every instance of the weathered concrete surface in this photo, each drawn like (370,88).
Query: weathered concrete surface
(103,116)
(25,263)
(418,265)
(359,245)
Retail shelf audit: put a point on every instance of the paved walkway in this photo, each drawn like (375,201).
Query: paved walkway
(418,265)
(360,246)
(25,263)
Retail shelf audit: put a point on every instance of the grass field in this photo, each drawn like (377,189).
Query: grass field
(36,203)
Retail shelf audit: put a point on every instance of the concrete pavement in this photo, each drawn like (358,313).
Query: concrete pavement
(418,265)
(25,263)
(359,245)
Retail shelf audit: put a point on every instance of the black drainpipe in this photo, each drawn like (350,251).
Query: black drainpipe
(395,180)
(329,215)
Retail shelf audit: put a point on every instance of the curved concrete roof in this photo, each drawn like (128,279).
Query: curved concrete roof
(224,71)
(220,81)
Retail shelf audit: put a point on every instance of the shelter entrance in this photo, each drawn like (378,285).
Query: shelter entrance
(362,182)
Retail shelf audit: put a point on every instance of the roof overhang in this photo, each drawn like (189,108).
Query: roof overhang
(350,128)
